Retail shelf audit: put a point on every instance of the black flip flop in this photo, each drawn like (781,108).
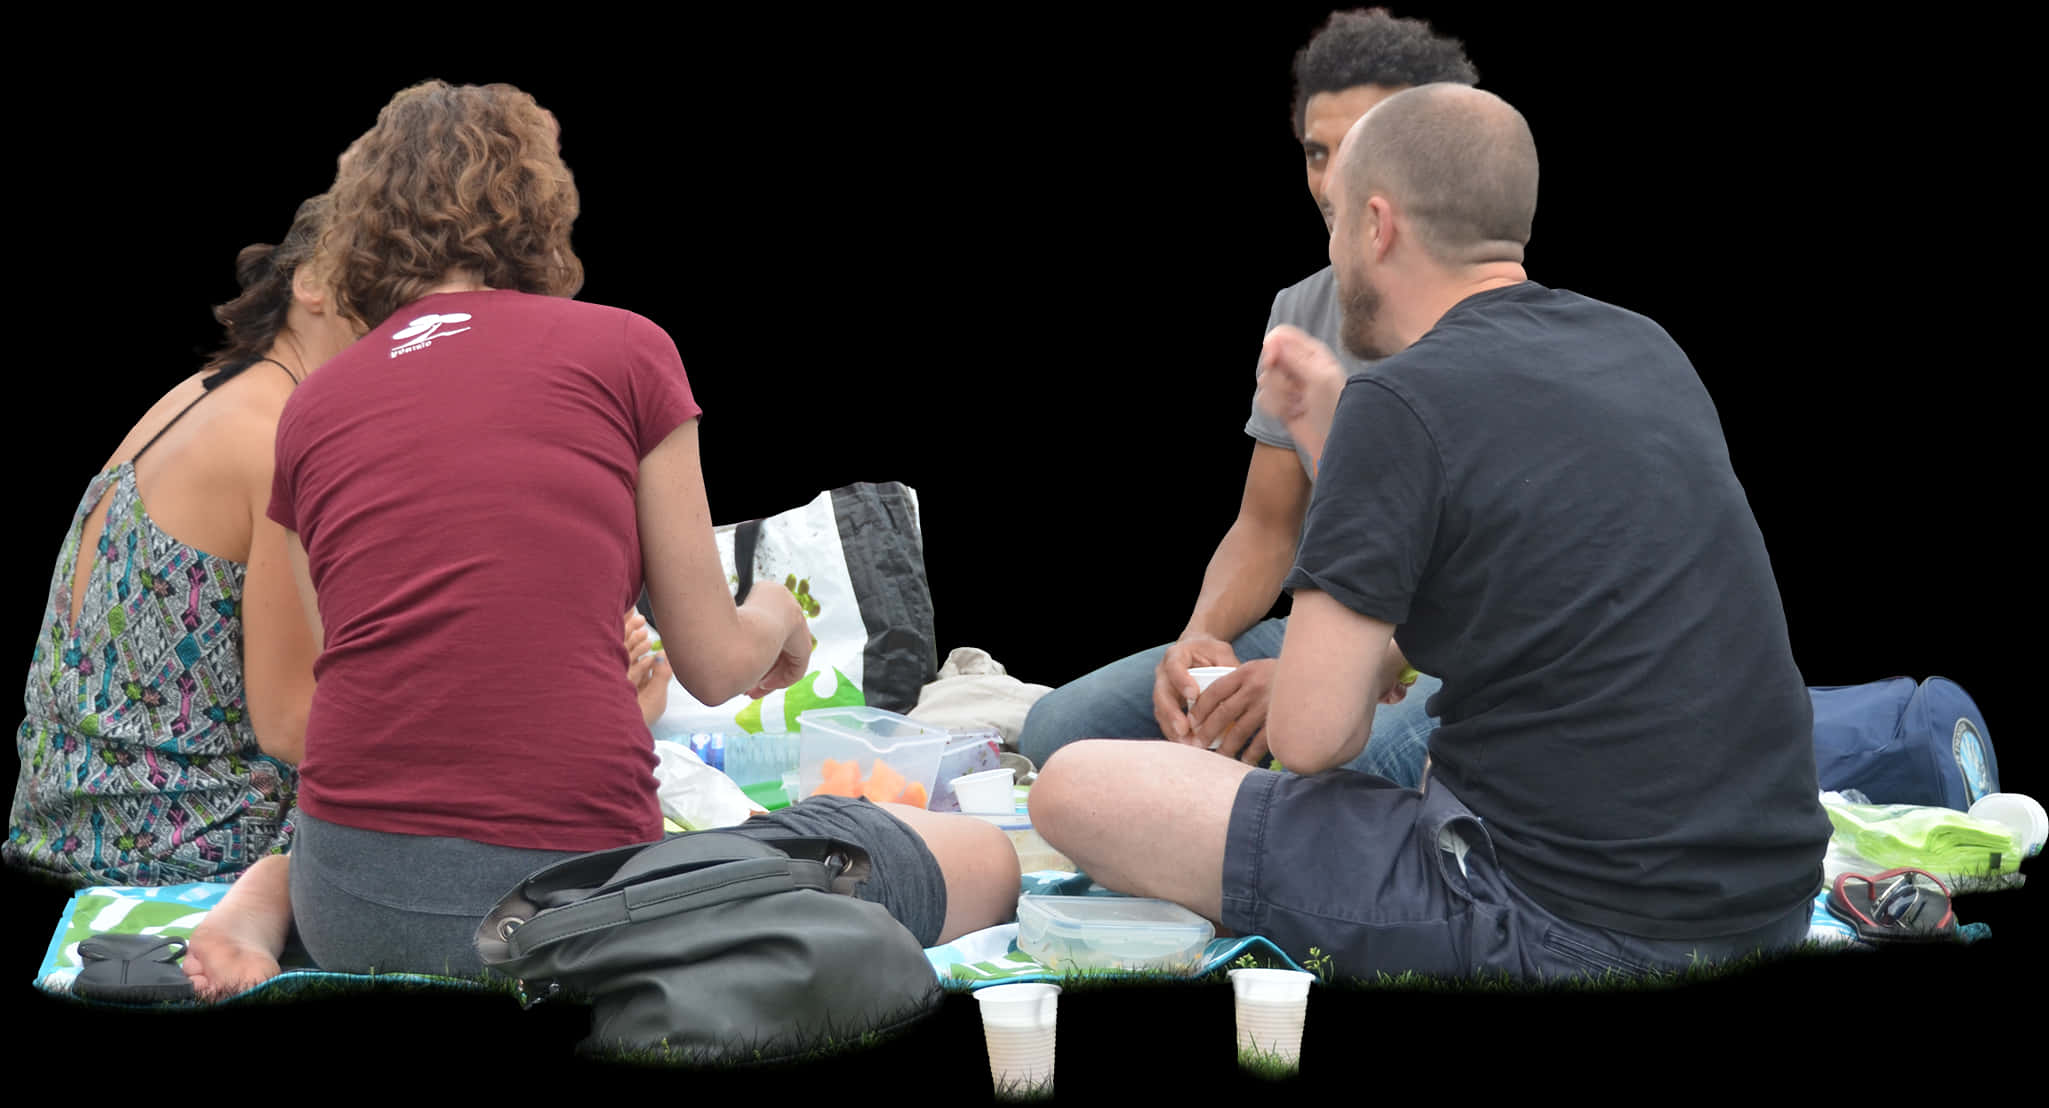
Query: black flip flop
(1904,905)
(132,969)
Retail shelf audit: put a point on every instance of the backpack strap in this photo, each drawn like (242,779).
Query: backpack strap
(679,873)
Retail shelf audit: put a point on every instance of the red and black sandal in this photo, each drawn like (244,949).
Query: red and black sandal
(1904,905)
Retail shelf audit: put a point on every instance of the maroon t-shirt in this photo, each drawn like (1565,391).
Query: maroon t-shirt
(463,480)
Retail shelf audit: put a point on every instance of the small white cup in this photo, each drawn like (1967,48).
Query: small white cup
(1205,676)
(990,791)
(1271,1003)
(1018,1024)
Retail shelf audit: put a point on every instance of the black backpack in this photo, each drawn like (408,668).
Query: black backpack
(713,947)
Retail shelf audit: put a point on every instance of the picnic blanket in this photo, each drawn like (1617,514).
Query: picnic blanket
(984,957)
(175,910)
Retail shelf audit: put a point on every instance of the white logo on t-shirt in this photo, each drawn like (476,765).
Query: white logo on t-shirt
(422,332)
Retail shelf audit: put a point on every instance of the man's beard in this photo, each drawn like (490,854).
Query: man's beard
(1359,309)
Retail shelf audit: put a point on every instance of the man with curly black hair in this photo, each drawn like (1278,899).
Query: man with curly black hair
(1356,60)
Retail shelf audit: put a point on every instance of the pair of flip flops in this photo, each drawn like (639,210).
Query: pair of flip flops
(1904,905)
(132,969)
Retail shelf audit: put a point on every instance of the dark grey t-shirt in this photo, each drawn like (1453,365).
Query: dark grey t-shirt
(1538,495)
(1311,304)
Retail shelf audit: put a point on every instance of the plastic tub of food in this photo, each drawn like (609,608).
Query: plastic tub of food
(1111,932)
(1033,852)
(863,751)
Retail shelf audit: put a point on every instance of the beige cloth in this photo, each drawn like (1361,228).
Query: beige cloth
(973,691)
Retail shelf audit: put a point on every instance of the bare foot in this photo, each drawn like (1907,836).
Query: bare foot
(222,965)
(235,948)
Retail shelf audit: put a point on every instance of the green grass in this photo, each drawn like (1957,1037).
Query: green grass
(744,1056)
(1018,1090)
(1502,982)
(1268,1064)
(794,1046)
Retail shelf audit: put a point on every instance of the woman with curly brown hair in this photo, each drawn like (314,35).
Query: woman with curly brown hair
(165,708)
(497,463)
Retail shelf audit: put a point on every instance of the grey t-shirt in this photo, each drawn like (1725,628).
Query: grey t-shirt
(1311,304)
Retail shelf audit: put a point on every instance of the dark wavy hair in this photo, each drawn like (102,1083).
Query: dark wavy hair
(253,318)
(451,177)
(1368,46)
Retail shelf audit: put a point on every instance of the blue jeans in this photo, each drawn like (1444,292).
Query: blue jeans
(1116,702)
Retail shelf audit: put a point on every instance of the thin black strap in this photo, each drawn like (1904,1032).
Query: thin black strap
(209,384)
(223,376)
(745,538)
(160,431)
(283,366)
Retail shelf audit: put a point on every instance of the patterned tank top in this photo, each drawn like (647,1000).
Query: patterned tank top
(138,762)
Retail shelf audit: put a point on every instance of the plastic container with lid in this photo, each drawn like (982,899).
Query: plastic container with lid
(1111,932)
(863,751)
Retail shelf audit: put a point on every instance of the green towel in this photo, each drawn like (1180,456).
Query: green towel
(1942,841)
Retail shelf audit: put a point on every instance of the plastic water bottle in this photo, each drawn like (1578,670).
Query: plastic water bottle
(758,759)
(710,748)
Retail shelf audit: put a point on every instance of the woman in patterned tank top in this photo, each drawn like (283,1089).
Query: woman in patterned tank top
(150,684)
(165,718)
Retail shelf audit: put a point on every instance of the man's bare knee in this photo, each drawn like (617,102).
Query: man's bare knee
(1057,792)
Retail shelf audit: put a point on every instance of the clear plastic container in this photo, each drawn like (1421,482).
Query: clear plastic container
(863,751)
(1111,932)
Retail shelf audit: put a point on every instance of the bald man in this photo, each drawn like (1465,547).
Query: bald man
(1533,488)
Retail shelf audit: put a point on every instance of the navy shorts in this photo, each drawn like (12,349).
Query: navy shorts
(1418,889)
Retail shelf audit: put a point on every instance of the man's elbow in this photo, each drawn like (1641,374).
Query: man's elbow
(1306,761)
(1298,747)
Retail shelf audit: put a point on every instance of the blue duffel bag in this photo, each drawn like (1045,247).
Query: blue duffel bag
(1899,742)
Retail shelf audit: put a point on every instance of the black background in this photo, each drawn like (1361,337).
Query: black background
(1020,260)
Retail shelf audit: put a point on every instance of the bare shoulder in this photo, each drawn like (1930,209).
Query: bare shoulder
(245,421)
(159,416)
(219,438)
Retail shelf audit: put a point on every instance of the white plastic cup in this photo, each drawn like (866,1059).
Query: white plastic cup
(2019,811)
(991,791)
(1018,1024)
(1271,1003)
(1205,676)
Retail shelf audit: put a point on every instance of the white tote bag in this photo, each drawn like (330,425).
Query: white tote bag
(854,559)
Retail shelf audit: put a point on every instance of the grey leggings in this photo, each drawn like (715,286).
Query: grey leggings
(366,901)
